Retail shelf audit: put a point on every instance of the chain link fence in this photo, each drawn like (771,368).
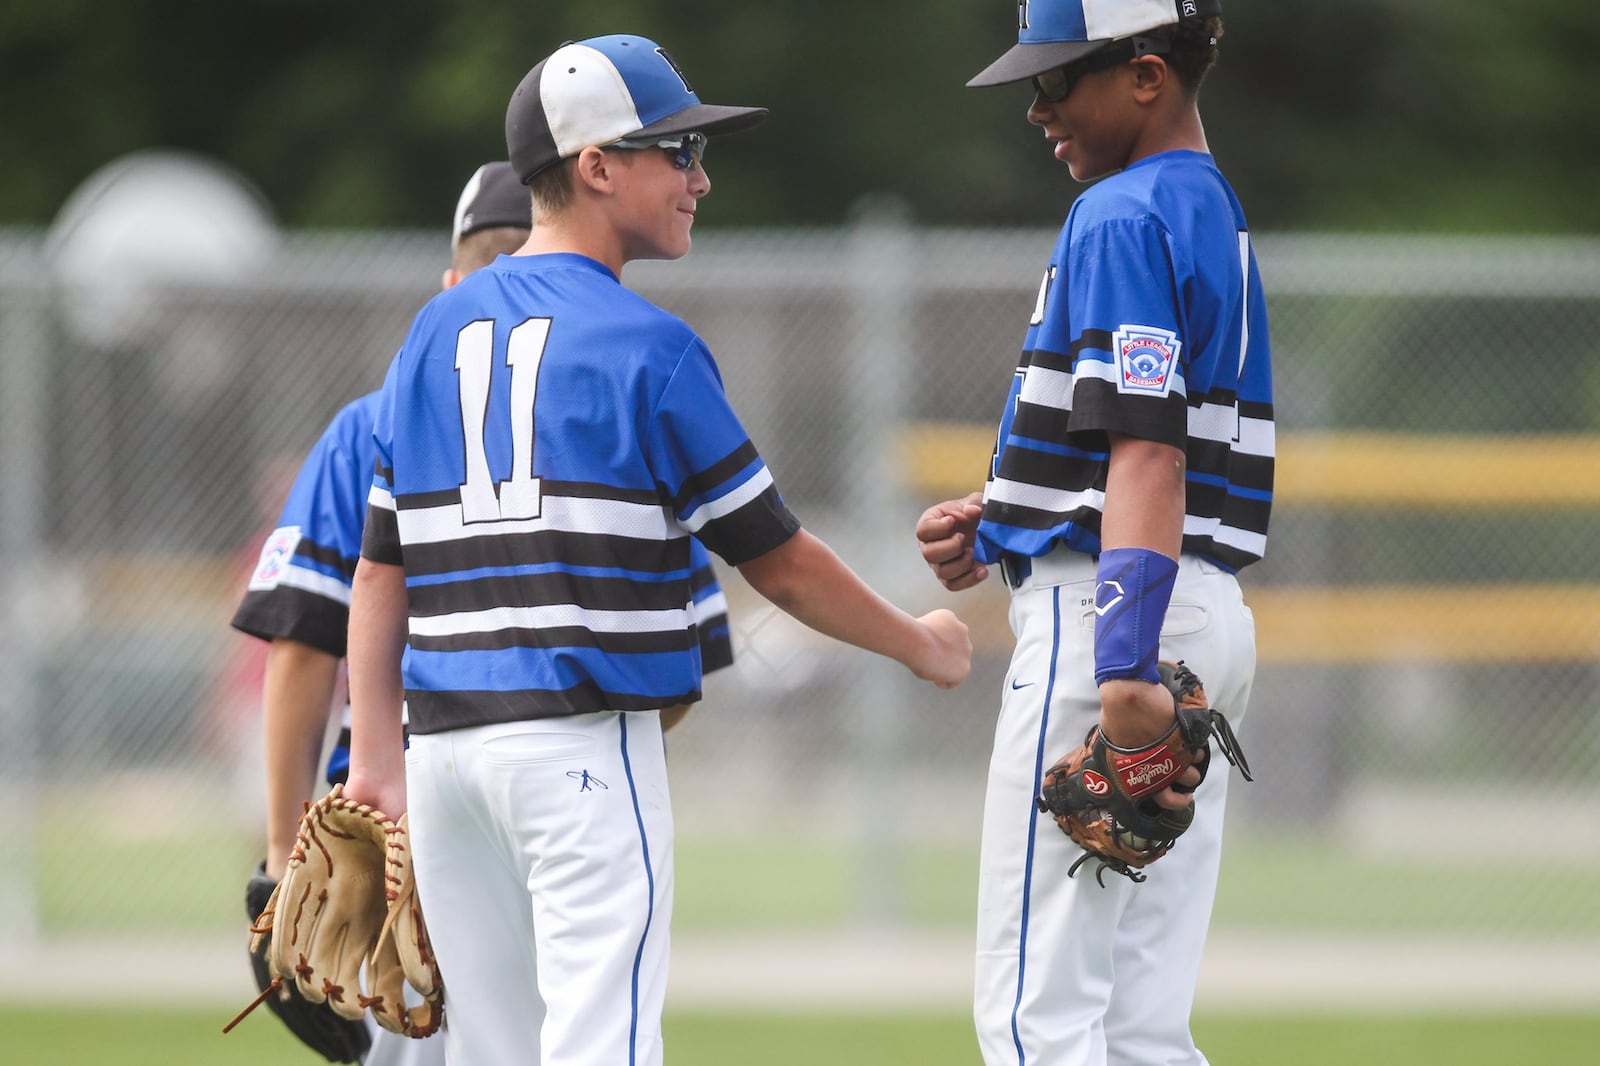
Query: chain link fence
(1430,602)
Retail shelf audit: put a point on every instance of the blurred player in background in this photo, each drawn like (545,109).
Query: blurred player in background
(1132,478)
(298,601)
(549,440)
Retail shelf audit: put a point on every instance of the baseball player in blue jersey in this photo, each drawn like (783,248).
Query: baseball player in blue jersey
(298,599)
(1131,480)
(548,442)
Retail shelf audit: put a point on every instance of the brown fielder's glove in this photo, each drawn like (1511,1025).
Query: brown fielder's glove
(1102,796)
(402,952)
(346,898)
(334,1038)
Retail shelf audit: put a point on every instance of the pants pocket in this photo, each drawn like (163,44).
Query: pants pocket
(1182,619)
(517,749)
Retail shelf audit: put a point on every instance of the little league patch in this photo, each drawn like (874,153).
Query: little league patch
(275,556)
(1146,359)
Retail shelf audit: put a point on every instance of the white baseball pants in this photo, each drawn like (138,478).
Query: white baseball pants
(543,854)
(1070,973)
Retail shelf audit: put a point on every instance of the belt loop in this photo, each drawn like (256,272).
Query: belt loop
(1015,569)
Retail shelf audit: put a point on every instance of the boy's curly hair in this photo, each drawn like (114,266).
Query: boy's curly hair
(1194,49)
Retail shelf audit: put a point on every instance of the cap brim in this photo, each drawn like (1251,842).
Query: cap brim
(1026,60)
(707,119)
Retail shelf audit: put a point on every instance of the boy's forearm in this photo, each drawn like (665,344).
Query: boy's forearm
(808,581)
(377,643)
(297,696)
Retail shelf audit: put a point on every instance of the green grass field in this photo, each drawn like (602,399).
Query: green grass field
(61,1036)
(789,882)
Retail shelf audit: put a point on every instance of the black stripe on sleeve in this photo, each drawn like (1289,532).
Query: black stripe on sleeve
(294,614)
(1096,405)
(758,527)
(380,538)
(711,477)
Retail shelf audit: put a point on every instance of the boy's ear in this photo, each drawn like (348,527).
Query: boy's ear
(593,168)
(1150,76)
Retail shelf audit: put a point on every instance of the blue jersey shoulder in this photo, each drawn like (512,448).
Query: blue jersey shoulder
(300,588)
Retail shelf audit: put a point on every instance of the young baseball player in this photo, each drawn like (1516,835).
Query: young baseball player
(548,442)
(298,600)
(1132,477)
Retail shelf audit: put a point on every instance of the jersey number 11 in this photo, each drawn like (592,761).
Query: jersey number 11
(482,499)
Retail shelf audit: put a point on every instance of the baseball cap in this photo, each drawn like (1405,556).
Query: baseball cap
(1053,33)
(493,196)
(600,90)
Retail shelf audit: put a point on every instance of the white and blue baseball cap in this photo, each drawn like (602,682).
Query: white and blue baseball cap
(1053,33)
(601,90)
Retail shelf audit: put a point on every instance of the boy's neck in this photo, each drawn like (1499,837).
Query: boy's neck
(1183,132)
(572,232)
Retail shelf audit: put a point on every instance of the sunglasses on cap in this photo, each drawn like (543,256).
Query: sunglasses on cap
(1056,85)
(690,148)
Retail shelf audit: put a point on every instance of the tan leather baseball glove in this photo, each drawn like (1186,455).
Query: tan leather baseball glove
(347,898)
(402,954)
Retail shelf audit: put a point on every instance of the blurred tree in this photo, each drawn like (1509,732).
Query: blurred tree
(1372,114)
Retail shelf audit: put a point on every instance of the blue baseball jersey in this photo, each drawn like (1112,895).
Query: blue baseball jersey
(1150,322)
(300,588)
(548,442)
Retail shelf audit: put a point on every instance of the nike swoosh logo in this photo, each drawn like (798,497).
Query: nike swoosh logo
(1025,684)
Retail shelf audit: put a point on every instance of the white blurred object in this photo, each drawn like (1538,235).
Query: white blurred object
(148,221)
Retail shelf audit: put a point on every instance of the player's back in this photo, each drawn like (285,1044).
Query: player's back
(537,430)
(555,338)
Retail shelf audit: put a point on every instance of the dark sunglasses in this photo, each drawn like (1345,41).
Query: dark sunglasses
(688,148)
(1056,85)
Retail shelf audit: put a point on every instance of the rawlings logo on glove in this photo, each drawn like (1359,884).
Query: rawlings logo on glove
(1142,780)
(1101,795)
(348,898)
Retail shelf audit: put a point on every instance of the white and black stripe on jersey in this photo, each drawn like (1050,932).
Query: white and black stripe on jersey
(587,619)
(1151,323)
(561,580)
(306,603)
